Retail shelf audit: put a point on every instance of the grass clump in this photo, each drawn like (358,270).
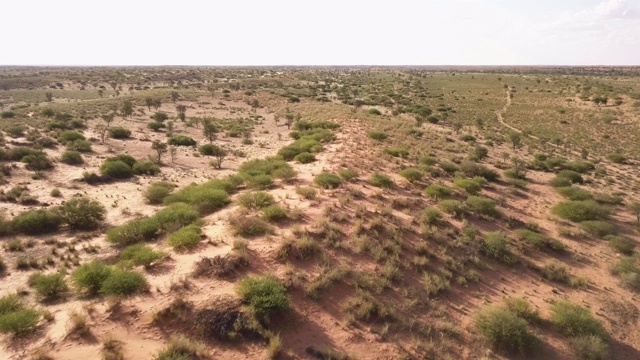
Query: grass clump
(49,287)
(327,180)
(307,192)
(180,347)
(256,200)
(248,225)
(621,244)
(470,186)
(145,168)
(140,254)
(186,238)
(578,211)
(377,135)
(207,198)
(71,157)
(348,174)
(133,231)
(411,174)
(482,206)
(20,320)
(589,347)
(381,180)
(259,173)
(628,270)
(453,207)
(397,152)
(90,276)
(265,295)
(274,213)
(305,158)
(574,320)
(496,246)
(36,222)
(574,193)
(540,241)
(505,330)
(597,228)
(437,192)
(123,283)
(158,191)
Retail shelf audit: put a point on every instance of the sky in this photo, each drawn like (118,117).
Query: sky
(329,32)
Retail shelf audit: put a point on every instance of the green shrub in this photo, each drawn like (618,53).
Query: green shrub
(256,200)
(381,180)
(125,158)
(71,157)
(274,213)
(348,174)
(617,158)
(207,198)
(621,244)
(181,140)
(19,322)
(265,296)
(504,330)
(449,167)
(575,320)
(540,241)
(522,308)
(496,246)
(472,187)
(437,191)
(328,180)
(248,226)
(133,231)
(306,192)
(578,211)
(453,207)
(579,166)
(186,238)
(560,182)
(628,270)
(37,162)
(116,169)
(36,222)
(428,160)
(158,191)
(139,254)
(90,276)
(11,303)
(377,135)
(397,152)
(574,193)
(411,174)
(573,176)
(49,287)
(471,169)
(156,126)
(82,213)
(79,145)
(146,168)
(69,136)
(272,166)
(119,133)
(482,206)
(123,283)
(262,181)
(207,149)
(431,217)
(597,228)
(305,158)
(554,271)
(589,347)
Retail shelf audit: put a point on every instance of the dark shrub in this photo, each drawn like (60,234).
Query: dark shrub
(119,133)
(116,169)
(181,140)
(145,168)
(36,222)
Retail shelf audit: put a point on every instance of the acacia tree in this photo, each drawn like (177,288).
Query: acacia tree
(160,149)
(102,129)
(181,109)
(209,129)
(219,153)
(127,108)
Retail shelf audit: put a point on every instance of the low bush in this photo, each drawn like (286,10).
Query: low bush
(597,228)
(328,180)
(256,172)
(79,145)
(16,317)
(265,296)
(411,174)
(36,222)
(116,169)
(82,213)
(248,226)
(453,207)
(589,347)
(554,271)
(504,330)
(90,276)
(158,191)
(621,244)
(437,191)
(119,133)
(628,270)
(431,217)
(305,158)
(578,211)
(540,241)
(482,206)
(139,254)
(274,213)
(381,180)
(69,136)
(207,198)
(123,283)
(377,135)
(471,187)
(348,174)
(575,320)
(496,246)
(37,162)
(181,140)
(145,168)
(574,193)
(133,231)
(397,152)
(617,158)
(306,192)
(71,157)
(49,287)
(256,200)
(182,348)
(471,169)
(187,237)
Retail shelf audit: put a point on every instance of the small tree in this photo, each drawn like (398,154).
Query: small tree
(635,208)
(102,131)
(149,102)
(209,129)
(175,96)
(108,118)
(219,153)
(255,104)
(515,139)
(160,116)
(49,96)
(160,149)
(127,108)
(181,109)
(173,152)
(157,103)
(457,126)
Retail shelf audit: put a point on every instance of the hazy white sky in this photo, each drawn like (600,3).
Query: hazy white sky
(330,32)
